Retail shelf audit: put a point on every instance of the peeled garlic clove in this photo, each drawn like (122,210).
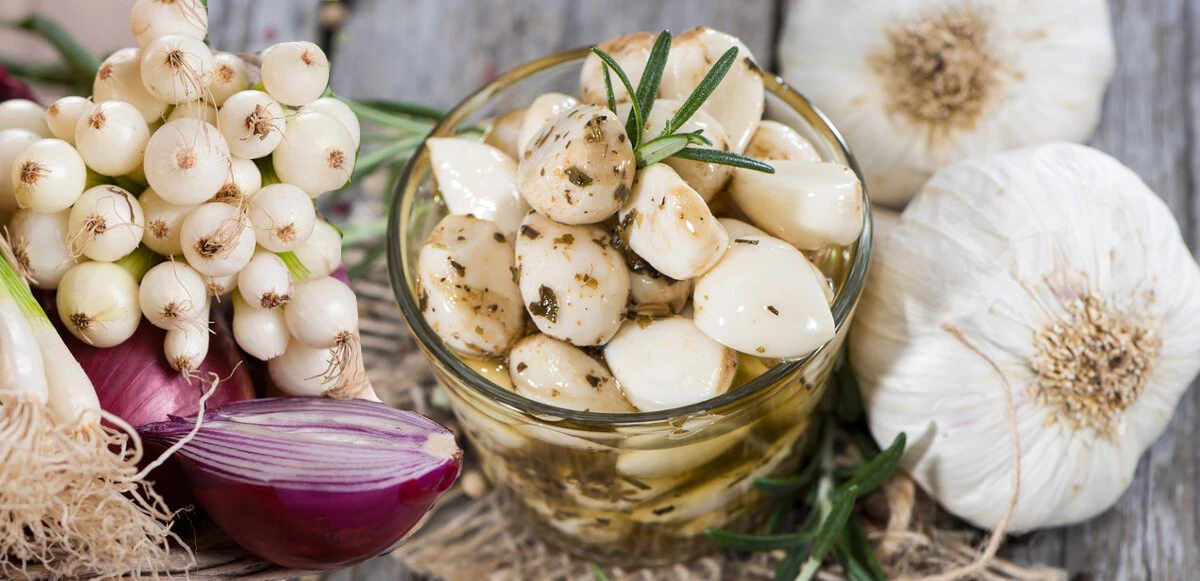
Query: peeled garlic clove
(652,288)
(737,103)
(544,109)
(574,285)
(680,459)
(465,287)
(706,178)
(920,84)
(774,140)
(739,229)
(477,179)
(579,169)
(557,373)
(504,132)
(811,205)
(631,51)
(764,298)
(669,225)
(668,363)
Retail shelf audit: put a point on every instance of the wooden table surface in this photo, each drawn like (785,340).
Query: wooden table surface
(437,51)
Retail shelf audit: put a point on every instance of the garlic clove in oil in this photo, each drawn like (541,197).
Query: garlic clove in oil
(544,109)
(664,363)
(504,132)
(1050,279)
(653,288)
(774,140)
(465,287)
(669,225)
(477,179)
(557,373)
(737,103)
(631,51)
(579,168)
(738,229)
(914,85)
(706,178)
(574,285)
(812,205)
(764,298)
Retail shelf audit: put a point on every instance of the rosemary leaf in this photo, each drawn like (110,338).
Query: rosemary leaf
(661,148)
(78,58)
(869,476)
(724,158)
(647,88)
(385,118)
(388,154)
(854,570)
(702,92)
(849,402)
(779,514)
(410,109)
(612,100)
(832,525)
(789,485)
(636,136)
(749,542)
(857,551)
(789,568)
(363,266)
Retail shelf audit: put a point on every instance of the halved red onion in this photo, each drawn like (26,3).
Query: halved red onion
(314,483)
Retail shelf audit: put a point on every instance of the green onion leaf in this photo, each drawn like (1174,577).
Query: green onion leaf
(724,158)
(869,476)
(702,92)
(749,542)
(80,59)
(647,89)
(636,136)
(612,99)
(598,574)
(661,148)
(832,525)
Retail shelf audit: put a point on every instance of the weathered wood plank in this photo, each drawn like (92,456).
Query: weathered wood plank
(438,51)
(1152,532)
(252,25)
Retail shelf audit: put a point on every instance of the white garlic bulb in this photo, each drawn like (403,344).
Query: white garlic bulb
(1049,275)
(914,85)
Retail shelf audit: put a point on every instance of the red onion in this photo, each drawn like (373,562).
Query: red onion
(314,483)
(135,382)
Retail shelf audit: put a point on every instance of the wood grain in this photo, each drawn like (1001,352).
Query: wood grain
(252,25)
(438,51)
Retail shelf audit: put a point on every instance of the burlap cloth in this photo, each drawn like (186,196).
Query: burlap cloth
(472,535)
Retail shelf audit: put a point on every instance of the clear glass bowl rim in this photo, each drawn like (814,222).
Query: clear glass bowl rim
(842,306)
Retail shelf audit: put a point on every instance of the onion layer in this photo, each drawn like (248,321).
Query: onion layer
(314,483)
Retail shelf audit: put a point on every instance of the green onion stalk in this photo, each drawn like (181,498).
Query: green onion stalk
(75,501)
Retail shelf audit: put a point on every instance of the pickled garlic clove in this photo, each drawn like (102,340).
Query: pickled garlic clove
(765,299)
(650,288)
(774,140)
(465,287)
(706,178)
(573,283)
(579,169)
(811,205)
(557,373)
(631,51)
(669,225)
(737,103)
(667,363)
(737,229)
(477,179)
(543,110)
(504,132)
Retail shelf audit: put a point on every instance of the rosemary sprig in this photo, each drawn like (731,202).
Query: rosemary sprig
(830,526)
(670,143)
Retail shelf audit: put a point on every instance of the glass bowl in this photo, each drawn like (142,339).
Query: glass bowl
(638,488)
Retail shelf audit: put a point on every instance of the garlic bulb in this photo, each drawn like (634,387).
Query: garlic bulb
(1049,275)
(914,85)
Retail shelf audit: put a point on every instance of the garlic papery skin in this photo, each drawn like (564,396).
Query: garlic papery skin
(477,179)
(1049,275)
(914,85)
(811,205)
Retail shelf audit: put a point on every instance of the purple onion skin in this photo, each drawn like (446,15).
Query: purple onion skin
(316,530)
(341,275)
(135,382)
